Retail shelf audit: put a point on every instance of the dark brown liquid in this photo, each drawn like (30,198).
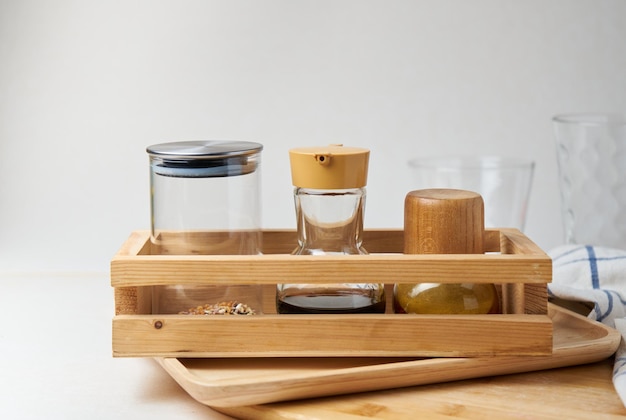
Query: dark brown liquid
(329,304)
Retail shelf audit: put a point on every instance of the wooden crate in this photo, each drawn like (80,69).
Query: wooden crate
(519,268)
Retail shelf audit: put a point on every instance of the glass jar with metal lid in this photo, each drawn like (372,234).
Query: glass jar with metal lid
(205,200)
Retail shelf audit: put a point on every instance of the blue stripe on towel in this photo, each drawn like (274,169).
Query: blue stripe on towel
(609,309)
(596,309)
(565,254)
(598,259)
(593,267)
(557,260)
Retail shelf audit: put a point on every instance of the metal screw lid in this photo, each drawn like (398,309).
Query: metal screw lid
(204,158)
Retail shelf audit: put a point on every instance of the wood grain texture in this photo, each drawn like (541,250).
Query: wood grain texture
(139,279)
(530,265)
(133,300)
(443,221)
(449,221)
(331,335)
(253,269)
(239,382)
(577,393)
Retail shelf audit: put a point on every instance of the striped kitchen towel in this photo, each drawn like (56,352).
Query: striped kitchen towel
(595,275)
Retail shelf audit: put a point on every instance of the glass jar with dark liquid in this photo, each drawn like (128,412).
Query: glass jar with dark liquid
(329,199)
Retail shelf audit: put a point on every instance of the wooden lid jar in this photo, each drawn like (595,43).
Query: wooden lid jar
(444,221)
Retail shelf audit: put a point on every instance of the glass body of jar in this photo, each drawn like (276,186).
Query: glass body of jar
(330,222)
(205,200)
(446,298)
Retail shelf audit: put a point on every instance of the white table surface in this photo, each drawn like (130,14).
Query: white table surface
(56,362)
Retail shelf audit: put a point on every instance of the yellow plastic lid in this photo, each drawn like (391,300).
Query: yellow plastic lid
(331,167)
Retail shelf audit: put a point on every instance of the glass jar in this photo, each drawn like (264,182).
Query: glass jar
(444,221)
(205,200)
(329,197)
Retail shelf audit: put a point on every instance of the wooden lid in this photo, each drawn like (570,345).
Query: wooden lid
(443,221)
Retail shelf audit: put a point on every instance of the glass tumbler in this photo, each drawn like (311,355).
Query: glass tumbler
(503,182)
(205,200)
(591,153)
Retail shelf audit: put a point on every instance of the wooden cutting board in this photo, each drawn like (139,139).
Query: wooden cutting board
(224,382)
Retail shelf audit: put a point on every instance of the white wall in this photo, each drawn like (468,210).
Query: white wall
(85,86)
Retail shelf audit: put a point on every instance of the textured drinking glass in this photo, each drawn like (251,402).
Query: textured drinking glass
(591,152)
(504,183)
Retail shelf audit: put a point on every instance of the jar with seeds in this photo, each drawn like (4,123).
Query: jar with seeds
(205,200)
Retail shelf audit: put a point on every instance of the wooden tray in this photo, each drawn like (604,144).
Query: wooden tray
(518,267)
(241,382)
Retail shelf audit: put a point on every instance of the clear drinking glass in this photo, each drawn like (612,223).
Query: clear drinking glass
(591,153)
(504,183)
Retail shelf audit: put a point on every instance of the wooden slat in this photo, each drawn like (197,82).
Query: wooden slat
(264,269)
(524,297)
(512,241)
(513,298)
(138,243)
(536,299)
(492,240)
(133,300)
(332,335)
